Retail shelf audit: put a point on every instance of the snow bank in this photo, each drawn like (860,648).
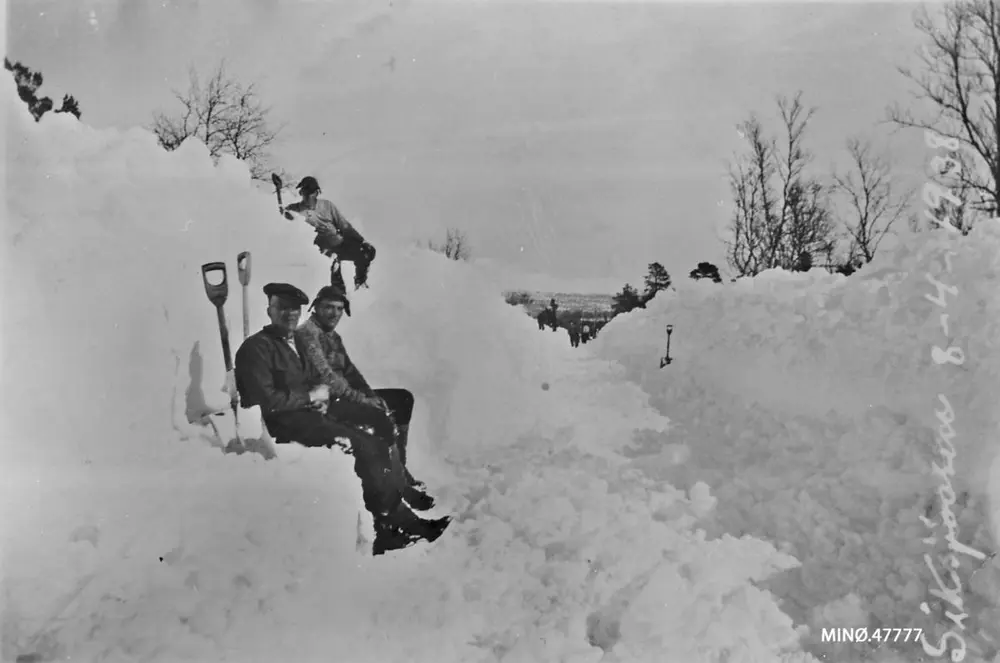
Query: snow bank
(811,406)
(129,536)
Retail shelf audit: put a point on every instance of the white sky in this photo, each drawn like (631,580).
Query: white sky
(577,140)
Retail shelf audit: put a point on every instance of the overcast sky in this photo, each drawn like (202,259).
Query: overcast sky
(575,140)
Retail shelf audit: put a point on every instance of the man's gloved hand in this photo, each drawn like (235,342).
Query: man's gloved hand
(378,403)
(319,397)
(368,251)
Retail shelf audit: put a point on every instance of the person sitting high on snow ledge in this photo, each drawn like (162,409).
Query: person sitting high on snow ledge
(272,371)
(335,236)
(352,400)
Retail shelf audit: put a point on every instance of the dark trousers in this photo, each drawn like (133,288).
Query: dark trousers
(400,402)
(353,250)
(376,458)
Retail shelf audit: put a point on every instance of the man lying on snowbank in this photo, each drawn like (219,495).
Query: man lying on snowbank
(335,236)
(272,371)
(352,400)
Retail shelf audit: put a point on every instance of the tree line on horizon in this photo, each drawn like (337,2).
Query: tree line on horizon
(784,215)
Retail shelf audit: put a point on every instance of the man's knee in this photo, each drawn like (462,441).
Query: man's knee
(355,416)
(400,401)
(310,429)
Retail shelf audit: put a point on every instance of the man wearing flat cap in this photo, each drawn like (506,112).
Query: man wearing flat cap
(335,236)
(352,400)
(272,371)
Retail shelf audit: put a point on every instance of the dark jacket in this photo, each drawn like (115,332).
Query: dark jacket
(326,352)
(269,374)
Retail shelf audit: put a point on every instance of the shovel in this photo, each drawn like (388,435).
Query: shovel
(217,294)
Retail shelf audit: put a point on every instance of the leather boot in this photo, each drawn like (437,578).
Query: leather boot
(402,435)
(401,528)
(336,276)
(360,275)
(417,499)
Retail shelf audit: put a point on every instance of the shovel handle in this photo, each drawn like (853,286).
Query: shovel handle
(218,292)
(243,267)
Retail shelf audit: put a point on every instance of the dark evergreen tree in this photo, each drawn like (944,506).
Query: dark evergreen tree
(804,263)
(657,279)
(626,300)
(28,82)
(70,105)
(706,270)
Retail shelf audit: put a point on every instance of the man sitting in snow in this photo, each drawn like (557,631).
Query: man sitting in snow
(271,371)
(335,236)
(387,411)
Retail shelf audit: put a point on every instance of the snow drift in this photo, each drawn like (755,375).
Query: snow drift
(129,536)
(812,405)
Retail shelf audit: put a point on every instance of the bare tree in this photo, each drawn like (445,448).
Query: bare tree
(225,115)
(960,80)
(753,208)
(871,193)
(455,246)
(780,212)
(810,229)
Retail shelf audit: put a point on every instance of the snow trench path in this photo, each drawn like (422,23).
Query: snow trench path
(560,552)
(842,494)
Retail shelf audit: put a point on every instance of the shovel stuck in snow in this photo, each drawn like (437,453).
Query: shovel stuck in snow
(666,359)
(243,269)
(217,293)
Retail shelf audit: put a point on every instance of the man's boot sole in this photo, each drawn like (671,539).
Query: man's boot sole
(396,539)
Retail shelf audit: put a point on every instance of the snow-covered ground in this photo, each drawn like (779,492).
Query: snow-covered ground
(768,483)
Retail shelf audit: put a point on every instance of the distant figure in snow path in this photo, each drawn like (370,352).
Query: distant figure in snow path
(574,334)
(335,236)
(272,371)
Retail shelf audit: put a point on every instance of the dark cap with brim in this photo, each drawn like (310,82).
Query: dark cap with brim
(332,293)
(287,293)
(308,184)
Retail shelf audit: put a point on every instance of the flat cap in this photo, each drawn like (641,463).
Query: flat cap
(333,293)
(287,292)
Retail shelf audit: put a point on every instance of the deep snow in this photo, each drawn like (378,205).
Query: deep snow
(781,496)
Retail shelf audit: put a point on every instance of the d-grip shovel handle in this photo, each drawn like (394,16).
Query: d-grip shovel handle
(217,293)
(243,267)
